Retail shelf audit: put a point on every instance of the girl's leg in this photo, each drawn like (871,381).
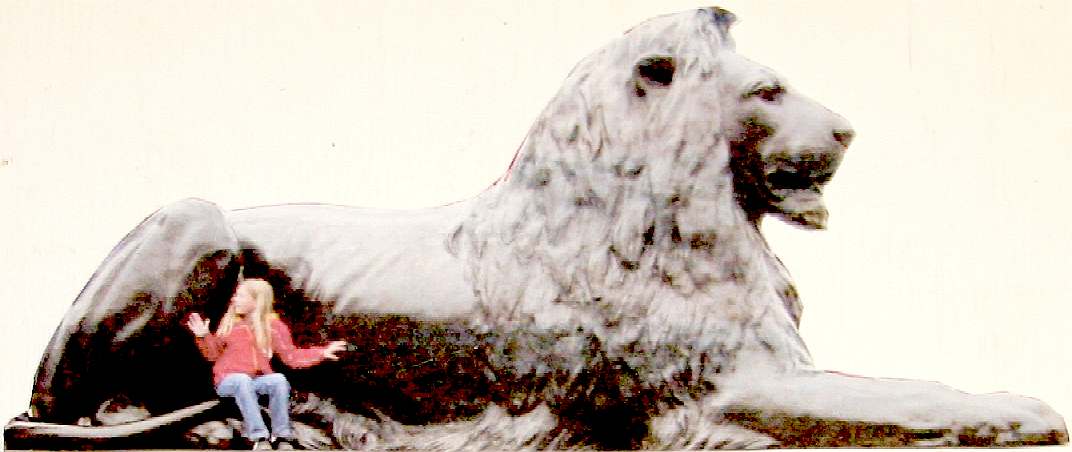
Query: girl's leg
(277,388)
(241,387)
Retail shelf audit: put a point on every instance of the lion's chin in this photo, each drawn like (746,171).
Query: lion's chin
(808,220)
(803,208)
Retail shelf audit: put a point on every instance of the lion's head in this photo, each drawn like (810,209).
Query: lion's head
(676,81)
(659,148)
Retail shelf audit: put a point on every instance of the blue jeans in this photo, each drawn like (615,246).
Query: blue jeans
(246,389)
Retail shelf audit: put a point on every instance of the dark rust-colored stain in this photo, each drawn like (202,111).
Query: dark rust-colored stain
(703,241)
(638,90)
(627,264)
(803,431)
(675,232)
(589,200)
(806,431)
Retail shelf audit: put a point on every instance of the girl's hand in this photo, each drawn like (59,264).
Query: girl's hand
(333,348)
(197,325)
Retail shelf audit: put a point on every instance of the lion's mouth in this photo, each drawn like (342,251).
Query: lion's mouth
(786,182)
(800,170)
(795,182)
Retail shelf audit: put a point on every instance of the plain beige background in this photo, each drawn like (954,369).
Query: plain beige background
(948,248)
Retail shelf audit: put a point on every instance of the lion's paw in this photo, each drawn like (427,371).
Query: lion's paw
(1003,419)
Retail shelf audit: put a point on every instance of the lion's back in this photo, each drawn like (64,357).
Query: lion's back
(363,260)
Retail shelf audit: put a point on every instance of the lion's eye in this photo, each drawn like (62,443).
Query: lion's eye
(769,93)
(657,70)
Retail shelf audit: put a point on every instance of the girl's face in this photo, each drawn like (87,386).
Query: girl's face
(243,300)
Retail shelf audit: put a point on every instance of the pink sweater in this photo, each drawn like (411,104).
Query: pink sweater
(237,351)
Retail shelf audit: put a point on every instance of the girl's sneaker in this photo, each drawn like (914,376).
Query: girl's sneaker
(283,444)
(262,444)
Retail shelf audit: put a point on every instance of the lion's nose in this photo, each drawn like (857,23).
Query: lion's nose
(844,137)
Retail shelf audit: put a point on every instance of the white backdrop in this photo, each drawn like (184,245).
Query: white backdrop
(947,252)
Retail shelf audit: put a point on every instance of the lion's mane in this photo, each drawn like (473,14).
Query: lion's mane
(615,248)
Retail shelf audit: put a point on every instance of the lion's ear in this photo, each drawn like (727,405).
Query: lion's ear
(654,72)
(722,18)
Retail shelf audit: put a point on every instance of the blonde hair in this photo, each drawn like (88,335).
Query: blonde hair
(261,317)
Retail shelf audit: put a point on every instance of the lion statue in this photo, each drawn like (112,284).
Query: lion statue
(612,290)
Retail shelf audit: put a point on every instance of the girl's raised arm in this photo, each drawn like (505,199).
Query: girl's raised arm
(210,345)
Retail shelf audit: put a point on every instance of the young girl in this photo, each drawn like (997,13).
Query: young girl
(249,334)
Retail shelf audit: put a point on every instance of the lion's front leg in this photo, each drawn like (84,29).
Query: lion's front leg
(828,409)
